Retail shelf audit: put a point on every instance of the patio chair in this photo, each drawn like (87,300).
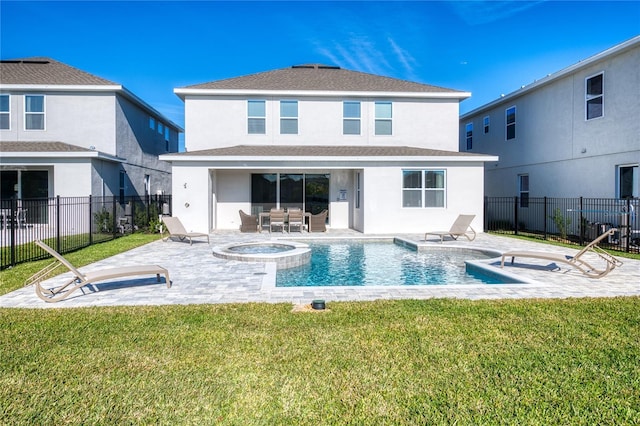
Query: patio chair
(461,227)
(176,229)
(576,261)
(80,279)
(276,219)
(248,223)
(317,222)
(296,218)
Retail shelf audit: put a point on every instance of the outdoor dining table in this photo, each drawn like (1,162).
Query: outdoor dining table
(263,215)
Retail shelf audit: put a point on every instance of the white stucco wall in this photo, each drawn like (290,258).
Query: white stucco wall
(190,196)
(216,121)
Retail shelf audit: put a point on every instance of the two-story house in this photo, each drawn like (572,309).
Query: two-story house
(381,154)
(66,132)
(572,133)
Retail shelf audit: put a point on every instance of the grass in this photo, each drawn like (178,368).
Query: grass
(13,278)
(525,362)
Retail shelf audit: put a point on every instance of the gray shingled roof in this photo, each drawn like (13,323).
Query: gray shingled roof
(319,77)
(40,147)
(40,70)
(323,151)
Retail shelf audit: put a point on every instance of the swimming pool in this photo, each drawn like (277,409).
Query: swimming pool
(382,263)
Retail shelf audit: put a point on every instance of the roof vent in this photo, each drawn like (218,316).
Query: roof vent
(316,67)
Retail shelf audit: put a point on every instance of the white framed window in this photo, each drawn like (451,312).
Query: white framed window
(384,116)
(627,181)
(510,120)
(485,124)
(523,189)
(594,96)
(423,188)
(5,112)
(288,117)
(34,112)
(152,123)
(256,113)
(468,130)
(351,118)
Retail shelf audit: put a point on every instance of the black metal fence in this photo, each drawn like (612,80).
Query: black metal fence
(576,220)
(70,223)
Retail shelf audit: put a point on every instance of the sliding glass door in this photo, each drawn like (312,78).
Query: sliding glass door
(309,192)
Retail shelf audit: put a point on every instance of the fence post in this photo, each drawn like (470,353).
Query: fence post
(582,222)
(113,216)
(545,218)
(628,225)
(90,220)
(515,214)
(10,221)
(58,224)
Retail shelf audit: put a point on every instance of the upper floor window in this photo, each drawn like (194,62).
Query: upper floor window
(351,118)
(256,112)
(34,112)
(511,122)
(152,123)
(383,118)
(167,133)
(160,128)
(423,188)
(595,96)
(469,135)
(289,117)
(5,112)
(485,123)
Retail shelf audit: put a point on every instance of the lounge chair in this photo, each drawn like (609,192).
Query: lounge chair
(317,222)
(575,261)
(80,279)
(296,218)
(276,219)
(461,227)
(176,229)
(248,223)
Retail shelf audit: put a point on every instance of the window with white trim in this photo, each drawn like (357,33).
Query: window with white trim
(288,117)
(351,118)
(628,181)
(383,123)
(510,120)
(468,129)
(485,123)
(523,189)
(423,188)
(594,96)
(256,113)
(34,112)
(5,112)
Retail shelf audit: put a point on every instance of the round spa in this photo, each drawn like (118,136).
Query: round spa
(286,254)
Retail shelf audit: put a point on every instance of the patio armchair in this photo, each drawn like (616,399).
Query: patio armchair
(317,222)
(176,229)
(81,279)
(577,261)
(296,218)
(248,223)
(461,227)
(276,219)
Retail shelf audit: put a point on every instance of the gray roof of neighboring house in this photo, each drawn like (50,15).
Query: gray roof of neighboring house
(41,70)
(322,151)
(40,147)
(319,77)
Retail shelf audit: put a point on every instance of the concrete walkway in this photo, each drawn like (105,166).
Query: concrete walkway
(199,277)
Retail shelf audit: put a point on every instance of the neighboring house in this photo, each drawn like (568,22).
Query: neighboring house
(381,154)
(573,133)
(70,133)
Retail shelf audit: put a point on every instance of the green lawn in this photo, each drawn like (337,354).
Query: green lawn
(537,362)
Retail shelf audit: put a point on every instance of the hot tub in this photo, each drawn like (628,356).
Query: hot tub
(286,254)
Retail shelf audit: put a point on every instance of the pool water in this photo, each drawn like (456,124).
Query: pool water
(381,263)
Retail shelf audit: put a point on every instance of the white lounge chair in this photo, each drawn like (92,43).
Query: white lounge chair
(80,279)
(176,229)
(575,261)
(461,227)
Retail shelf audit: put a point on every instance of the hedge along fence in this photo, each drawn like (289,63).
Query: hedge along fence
(579,220)
(71,223)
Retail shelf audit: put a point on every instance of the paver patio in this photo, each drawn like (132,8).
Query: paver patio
(199,278)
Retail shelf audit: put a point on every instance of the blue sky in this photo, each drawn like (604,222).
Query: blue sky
(483,47)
